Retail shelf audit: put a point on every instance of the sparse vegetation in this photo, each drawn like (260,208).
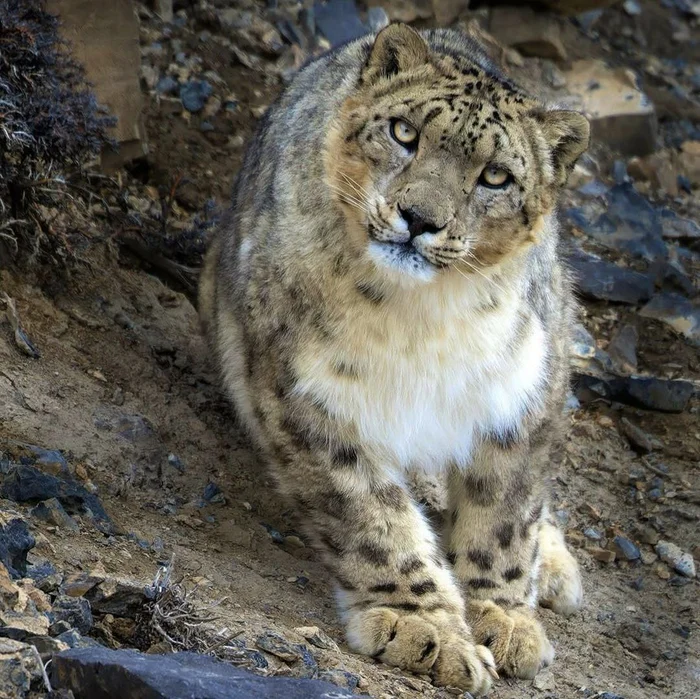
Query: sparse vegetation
(50,126)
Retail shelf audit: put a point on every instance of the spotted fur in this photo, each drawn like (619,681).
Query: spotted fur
(378,309)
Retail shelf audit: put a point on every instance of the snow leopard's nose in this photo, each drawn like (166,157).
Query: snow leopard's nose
(418,222)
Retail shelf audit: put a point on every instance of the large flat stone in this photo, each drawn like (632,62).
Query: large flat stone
(99,673)
(621,115)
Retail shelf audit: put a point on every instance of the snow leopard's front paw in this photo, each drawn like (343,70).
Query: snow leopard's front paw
(438,643)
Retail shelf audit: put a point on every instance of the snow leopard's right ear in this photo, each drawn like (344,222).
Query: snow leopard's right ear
(397,48)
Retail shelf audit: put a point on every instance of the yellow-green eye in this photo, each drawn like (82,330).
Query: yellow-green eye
(403,133)
(495,177)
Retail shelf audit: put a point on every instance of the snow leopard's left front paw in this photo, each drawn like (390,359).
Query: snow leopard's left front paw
(514,636)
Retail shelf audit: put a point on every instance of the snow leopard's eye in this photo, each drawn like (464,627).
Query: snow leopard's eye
(403,133)
(495,177)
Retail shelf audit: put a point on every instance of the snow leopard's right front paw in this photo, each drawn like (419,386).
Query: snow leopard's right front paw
(438,643)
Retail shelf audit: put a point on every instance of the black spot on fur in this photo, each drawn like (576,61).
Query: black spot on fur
(405,606)
(384,587)
(370,293)
(344,455)
(514,573)
(483,559)
(335,504)
(411,565)
(374,554)
(504,533)
(344,583)
(506,438)
(332,545)
(482,584)
(432,114)
(451,557)
(422,588)
(480,489)
(345,369)
(390,495)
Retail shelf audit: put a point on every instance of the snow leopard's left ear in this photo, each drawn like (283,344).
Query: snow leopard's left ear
(397,48)
(567,134)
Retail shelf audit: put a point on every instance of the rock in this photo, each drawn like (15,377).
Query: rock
(583,344)
(689,159)
(411,10)
(79,584)
(622,349)
(318,638)
(638,439)
(650,393)
(47,646)
(630,223)
(602,555)
(648,557)
(677,312)
(672,554)
(52,512)
(339,20)
(530,32)
(194,95)
(544,681)
(117,597)
(94,672)
(632,8)
(447,11)
(73,639)
(621,114)
(657,169)
(592,534)
(342,678)
(575,7)
(167,86)
(646,534)
(20,669)
(163,8)
(673,227)
(278,646)
(28,484)
(73,610)
(45,576)
(15,543)
(19,616)
(625,549)
(606,281)
(110,53)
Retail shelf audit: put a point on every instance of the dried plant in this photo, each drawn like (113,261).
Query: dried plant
(50,125)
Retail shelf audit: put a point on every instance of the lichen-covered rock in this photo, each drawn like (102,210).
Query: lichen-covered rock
(20,669)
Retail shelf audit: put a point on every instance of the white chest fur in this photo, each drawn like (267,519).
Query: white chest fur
(431,378)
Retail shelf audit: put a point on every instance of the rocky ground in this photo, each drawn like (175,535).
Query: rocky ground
(134,515)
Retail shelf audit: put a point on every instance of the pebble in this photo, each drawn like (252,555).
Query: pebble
(672,554)
(318,638)
(602,555)
(637,438)
(278,646)
(648,557)
(626,549)
(194,95)
(593,534)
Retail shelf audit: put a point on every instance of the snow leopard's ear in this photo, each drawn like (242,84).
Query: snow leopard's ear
(567,134)
(396,48)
